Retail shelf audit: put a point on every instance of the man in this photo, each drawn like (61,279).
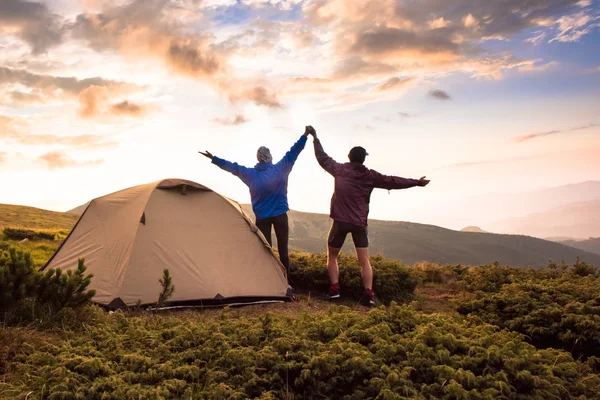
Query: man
(268,191)
(350,209)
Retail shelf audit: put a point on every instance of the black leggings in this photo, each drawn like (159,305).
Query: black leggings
(282,231)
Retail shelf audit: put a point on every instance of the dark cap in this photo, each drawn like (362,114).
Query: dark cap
(358,154)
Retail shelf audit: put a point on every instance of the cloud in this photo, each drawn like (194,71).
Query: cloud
(187,58)
(470,21)
(524,138)
(26,98)
(354,67)
(91,101)
(428,38)
(472,163)
(532,67)
(397,41)
(238,119)
(393,83)
(538,37)
(258,95)
(438,23)
(439,94)
(128,108)
(59,160)
(535,135)
(16,130)
(32,22)
(369,128)
(571,28)
(469,164)
(3,157)
(92,93)
(353,46)
(151,29)
(49,83)
(388,118)
(580,128)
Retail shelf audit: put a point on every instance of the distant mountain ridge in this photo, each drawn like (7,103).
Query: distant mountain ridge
(591,245)
(519,213)
(473,229)
(411,243)
(579,219)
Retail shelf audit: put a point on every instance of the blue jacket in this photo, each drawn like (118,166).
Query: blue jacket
(267,181)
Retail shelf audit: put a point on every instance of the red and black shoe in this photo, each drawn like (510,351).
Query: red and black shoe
(334,292)
(368,298)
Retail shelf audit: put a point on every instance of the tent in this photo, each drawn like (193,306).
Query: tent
(213,251)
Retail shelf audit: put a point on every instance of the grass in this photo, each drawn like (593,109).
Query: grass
(283,352)
(301,350)
(34,218)
(41,251)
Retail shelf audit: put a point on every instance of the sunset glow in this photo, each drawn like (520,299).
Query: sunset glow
(482,97)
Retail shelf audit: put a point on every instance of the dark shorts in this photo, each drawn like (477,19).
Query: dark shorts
(339,230)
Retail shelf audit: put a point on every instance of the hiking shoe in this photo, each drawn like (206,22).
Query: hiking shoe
(291,293)
(368,298)
(334,293)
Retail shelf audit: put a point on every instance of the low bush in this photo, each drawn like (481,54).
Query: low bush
(383,354)
(391,280)
(21,234)
(554,306)
(27,294)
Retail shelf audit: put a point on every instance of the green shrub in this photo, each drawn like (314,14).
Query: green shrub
(437,274)
(27,294)
(20,234)
(391,281)
(393,353)
(554,307)
(18,278)
(166,283)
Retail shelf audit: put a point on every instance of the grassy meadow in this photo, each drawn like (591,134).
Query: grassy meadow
(441,332)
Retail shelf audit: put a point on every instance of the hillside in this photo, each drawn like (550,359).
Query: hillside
(591,245)
(480,332)
(34,218)
(473,229)
(411,243)
(581,219)
(498,212)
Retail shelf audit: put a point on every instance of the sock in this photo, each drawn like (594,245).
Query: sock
(335,286)
(369,292)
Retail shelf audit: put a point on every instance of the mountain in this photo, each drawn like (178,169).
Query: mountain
(503,206)
(79,210)
(581,219)
(493,208)
(591,245)
(411,243)
(34,218)
(473,229)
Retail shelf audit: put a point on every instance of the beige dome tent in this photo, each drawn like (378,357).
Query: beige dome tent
(214,253)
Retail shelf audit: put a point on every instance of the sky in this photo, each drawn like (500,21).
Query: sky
(480,97)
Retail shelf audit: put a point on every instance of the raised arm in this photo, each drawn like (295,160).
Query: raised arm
(287,162)
(326,162)
(240,171)
(395,182)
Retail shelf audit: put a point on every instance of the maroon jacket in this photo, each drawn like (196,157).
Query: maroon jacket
(353,186)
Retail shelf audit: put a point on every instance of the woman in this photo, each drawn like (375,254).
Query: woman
(268,190)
